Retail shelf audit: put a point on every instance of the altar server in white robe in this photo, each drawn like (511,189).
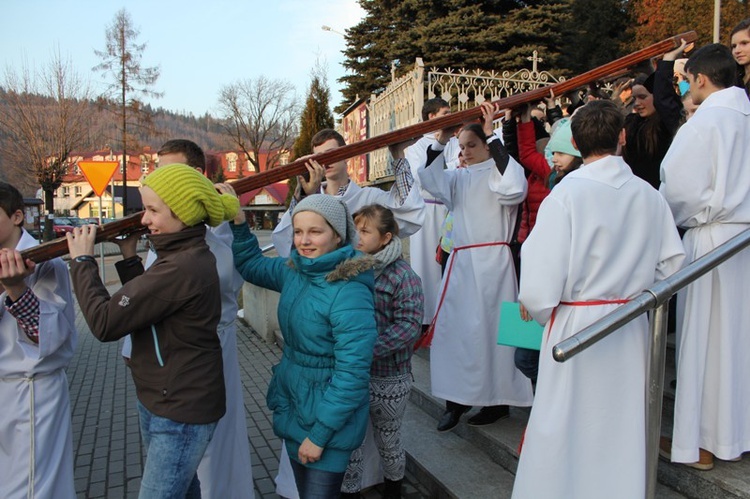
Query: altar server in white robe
(423,244)
(402,199)
(408,208)
(706,181)
(466,364)
(601,237)
(37,341)
(226,470)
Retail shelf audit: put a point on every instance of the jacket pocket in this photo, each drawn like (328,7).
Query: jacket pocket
(307,396)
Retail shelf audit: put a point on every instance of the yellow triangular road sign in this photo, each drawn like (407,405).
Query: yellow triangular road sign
(98,173)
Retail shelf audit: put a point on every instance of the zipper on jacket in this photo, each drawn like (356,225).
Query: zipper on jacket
(156,346)
(297,298)
(288,422)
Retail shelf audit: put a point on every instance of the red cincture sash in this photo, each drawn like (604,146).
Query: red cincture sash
(426,339)
(583,304)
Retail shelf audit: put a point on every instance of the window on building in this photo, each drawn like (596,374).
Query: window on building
(65,191)
(78,191)
(232,164)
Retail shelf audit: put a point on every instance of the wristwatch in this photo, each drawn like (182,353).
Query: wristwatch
(84,258)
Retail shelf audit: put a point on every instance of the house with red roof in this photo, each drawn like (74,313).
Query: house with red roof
(76,197)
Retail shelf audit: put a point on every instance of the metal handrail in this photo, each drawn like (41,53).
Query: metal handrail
(267,249)
(655,297)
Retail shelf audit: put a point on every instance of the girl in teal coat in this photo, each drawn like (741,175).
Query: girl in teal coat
(319,391)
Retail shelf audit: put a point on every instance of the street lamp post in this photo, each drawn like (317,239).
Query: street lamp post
(717,19)
(328,28)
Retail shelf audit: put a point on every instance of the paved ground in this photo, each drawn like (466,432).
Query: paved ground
(106,437)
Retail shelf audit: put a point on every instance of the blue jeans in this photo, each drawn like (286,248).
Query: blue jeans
(173,452)
(316,484)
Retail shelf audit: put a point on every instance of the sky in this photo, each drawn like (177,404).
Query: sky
(200,46)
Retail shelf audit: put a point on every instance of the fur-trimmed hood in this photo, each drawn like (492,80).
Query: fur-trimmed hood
(347,269)
(351,268)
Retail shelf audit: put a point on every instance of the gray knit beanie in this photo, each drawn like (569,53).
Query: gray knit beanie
(334,211)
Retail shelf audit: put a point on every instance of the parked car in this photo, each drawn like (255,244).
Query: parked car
(61,226)
(75,221)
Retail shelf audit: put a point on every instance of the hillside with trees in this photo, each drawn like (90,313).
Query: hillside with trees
(102,132)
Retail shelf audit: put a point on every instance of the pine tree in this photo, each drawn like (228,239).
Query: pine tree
(473,34)
(317,113)
(593,34)
(315,117)
(367,53)
(538,26)
(121,61)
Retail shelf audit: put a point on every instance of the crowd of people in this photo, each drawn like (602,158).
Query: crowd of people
(552,216)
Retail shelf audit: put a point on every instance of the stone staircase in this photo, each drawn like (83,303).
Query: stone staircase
(480,462)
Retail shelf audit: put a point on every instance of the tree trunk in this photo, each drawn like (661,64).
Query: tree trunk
(49,211)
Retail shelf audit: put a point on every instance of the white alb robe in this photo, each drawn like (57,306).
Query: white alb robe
(225,471)
(601,234)
(423,244)
(706,181)
(409,214)
(467,365)
(28,369)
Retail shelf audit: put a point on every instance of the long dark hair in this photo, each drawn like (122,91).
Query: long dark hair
(743,25)
(650,129)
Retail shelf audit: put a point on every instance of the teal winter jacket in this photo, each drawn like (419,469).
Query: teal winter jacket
(320,389)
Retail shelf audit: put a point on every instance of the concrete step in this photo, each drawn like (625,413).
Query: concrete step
(726,480)
(448,466)
(496,443)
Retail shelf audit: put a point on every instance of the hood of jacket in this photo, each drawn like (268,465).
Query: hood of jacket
(342,264)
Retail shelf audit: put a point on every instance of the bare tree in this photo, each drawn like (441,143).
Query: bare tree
(260,115)
(121,62)
(45,117)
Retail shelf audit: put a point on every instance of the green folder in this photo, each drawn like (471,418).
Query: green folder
(516,332)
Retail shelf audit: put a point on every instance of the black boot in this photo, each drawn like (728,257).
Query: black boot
(451,416)
(392,489)
(352,495)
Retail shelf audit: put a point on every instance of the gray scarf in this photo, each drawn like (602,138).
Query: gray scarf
(387,255)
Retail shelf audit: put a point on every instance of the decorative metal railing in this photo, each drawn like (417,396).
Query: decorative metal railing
(400,104)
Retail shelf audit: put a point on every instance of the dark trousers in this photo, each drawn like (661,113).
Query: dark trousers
(527,361)
(455,406)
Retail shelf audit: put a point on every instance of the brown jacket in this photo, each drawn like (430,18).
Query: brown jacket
(171,312)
